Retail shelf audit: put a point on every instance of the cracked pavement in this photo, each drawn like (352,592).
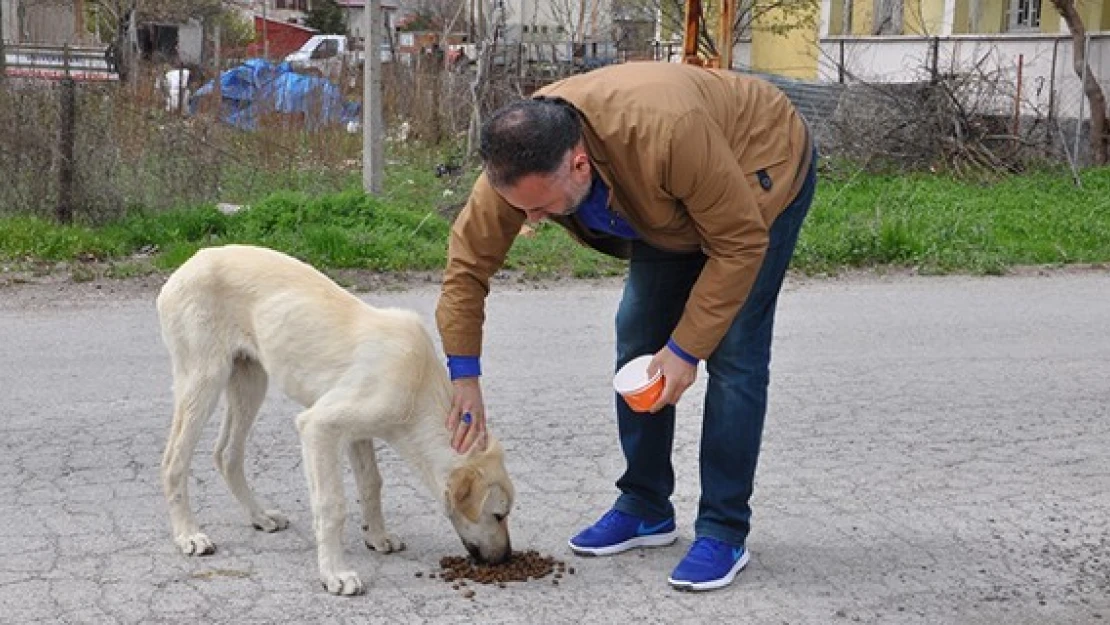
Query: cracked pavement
(936,451)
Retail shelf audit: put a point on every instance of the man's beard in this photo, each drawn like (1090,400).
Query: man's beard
(578,204)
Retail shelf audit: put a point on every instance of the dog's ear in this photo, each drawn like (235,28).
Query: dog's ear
(460,485)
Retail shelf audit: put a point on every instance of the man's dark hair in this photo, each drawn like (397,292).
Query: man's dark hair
(528,137)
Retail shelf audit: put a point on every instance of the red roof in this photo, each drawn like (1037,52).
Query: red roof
(283,37)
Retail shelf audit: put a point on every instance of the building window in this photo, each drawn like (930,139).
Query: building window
(291,5)
(1025,14)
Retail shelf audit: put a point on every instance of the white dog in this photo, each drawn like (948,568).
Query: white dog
(235,317)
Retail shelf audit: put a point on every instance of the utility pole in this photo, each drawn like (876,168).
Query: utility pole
(372,158)
(67,136)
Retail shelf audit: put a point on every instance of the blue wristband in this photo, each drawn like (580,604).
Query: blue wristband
(681,353)
(464,366)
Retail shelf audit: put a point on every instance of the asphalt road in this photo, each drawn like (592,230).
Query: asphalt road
(936,452)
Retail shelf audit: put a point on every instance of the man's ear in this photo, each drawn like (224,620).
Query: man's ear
(580,160)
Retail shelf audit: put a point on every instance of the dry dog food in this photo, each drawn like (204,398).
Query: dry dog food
(522,566)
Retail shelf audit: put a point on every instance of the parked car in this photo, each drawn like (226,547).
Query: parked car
(328,54)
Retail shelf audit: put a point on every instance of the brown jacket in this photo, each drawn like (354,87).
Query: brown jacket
(681,149)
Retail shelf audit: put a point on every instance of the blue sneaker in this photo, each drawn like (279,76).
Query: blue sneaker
(616,532)
(709,564)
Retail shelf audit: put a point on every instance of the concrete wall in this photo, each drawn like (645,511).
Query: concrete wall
(190,41)
(44,23)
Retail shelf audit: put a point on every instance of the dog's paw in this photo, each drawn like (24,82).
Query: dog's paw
(197,544)
(345,583)
(383,543)
(270,521)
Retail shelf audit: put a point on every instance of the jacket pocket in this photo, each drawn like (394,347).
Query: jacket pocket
(768,180)
(767,175)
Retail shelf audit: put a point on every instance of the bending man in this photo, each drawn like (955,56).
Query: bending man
(702,179)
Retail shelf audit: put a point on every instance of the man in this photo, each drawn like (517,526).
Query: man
(701,178)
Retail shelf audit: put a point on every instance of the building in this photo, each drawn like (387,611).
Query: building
(892,41)
(44,23)
(168,36)
(558,30)
(355,13)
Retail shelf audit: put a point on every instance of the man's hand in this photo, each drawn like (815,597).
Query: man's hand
(467,419)
(679,374)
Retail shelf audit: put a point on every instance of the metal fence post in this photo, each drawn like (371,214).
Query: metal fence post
(840,65)
(67,132)
(934,66)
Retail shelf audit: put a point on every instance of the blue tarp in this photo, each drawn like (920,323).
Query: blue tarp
(258,86)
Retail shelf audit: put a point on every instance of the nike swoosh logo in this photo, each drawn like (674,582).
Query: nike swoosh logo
(645,529)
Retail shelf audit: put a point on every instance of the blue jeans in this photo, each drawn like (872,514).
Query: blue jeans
(655,292)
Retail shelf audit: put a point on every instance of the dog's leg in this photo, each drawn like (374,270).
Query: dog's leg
(369,481)
(320,439)
(245,392)
(195,397)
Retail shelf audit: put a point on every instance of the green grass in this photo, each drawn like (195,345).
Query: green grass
(931,223)
(936,224)
(551,251)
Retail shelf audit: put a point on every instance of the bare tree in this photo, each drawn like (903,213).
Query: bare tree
(1098,137)
(579,18)
(789,15)
(489,27)
(436,15)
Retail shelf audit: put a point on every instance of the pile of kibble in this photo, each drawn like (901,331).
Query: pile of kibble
(522,566)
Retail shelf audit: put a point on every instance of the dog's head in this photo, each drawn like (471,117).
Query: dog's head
(478,499)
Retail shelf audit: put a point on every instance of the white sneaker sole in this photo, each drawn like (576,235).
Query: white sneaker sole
(712,584)
(652,540)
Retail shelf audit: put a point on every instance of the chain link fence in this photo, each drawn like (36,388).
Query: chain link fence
(137,145)
(120,148)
